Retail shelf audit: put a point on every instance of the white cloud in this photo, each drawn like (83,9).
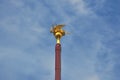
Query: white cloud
(93,77)
(16,62)
(81,7)
(17,3)
(99,4)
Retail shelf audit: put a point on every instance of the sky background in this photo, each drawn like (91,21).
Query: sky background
(90,52)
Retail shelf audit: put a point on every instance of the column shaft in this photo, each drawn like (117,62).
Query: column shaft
(58,61)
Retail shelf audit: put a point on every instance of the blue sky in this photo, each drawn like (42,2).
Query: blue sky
(90,52)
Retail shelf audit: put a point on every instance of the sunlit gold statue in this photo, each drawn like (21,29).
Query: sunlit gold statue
(58,32)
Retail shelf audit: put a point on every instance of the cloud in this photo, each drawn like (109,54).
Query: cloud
(19,64)
(22,53)
(93,77)
(80,7)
